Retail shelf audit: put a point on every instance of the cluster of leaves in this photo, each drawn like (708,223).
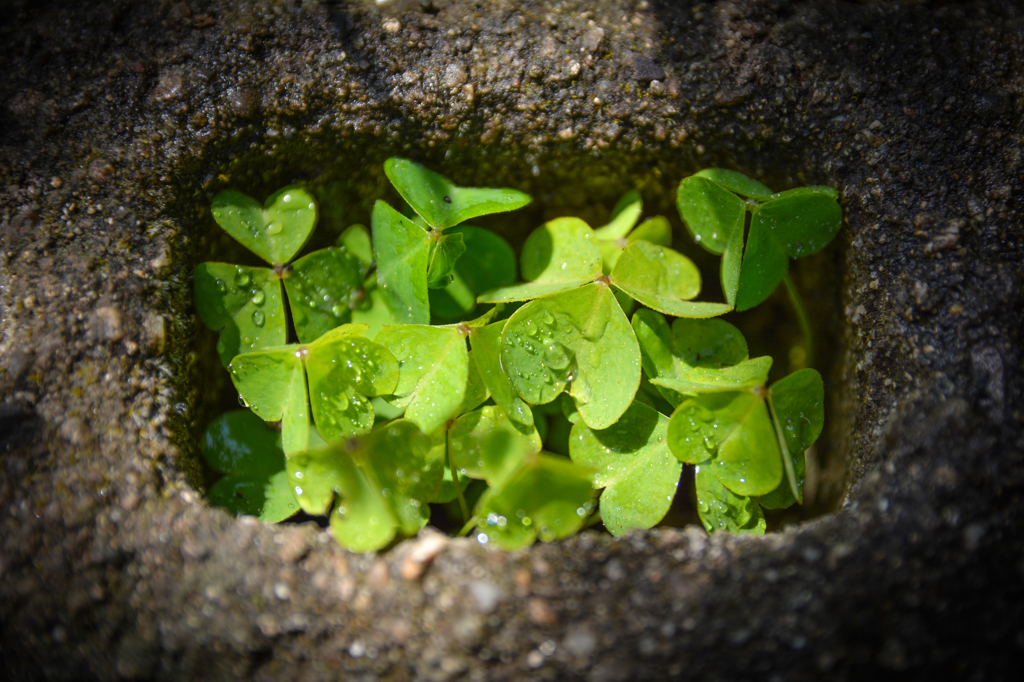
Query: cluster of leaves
(377,414)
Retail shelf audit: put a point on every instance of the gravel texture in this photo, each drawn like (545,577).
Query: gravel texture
(119,120)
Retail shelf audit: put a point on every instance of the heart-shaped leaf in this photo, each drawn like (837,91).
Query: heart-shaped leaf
(486,344)
(488,263)
(433,371)
(442,204)
(656,276)
(445,250)
(560,255)
(634,466)
(402,251)
(722,509)
(733,431)
(546,497)
(322,291)
(486,444)
(248,452)
(244,304)
(344,368)
(792,225)
(580,337)
(383,480)
(275,231)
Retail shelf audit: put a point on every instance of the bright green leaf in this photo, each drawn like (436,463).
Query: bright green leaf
(275,231)
(624,216)
(244,304)
(656,277)
(343,369)
(580,337)
(433,371)
(486,444)
(635,467)
(560,255)
(548,497)
(445,249)
(722,509)
(321,290)
(402,251)
(486,344)
(441,203)
(376,315)
(356,240)
(734,431)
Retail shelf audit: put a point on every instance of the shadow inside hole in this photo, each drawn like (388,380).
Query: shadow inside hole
(560,184)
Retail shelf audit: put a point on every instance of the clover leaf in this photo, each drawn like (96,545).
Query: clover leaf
(796,403)
(275,231)
(721,509)
(634,466)
(545,496)
(434,369)
(248,453)
(578,339)
(486,344)
(342,368)
(696,356)
(486,444)
(791,224)
(244,303)
(402,250)
(560,255)
(383,482)
(441,203)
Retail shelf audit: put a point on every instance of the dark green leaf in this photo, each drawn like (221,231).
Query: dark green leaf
(241,446)
(488,263)
(798,413)
(736,182)
(712,213)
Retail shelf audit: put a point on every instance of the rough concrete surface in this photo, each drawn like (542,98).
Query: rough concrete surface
(119,120)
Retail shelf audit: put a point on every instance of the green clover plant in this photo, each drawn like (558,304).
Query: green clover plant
(377,414)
